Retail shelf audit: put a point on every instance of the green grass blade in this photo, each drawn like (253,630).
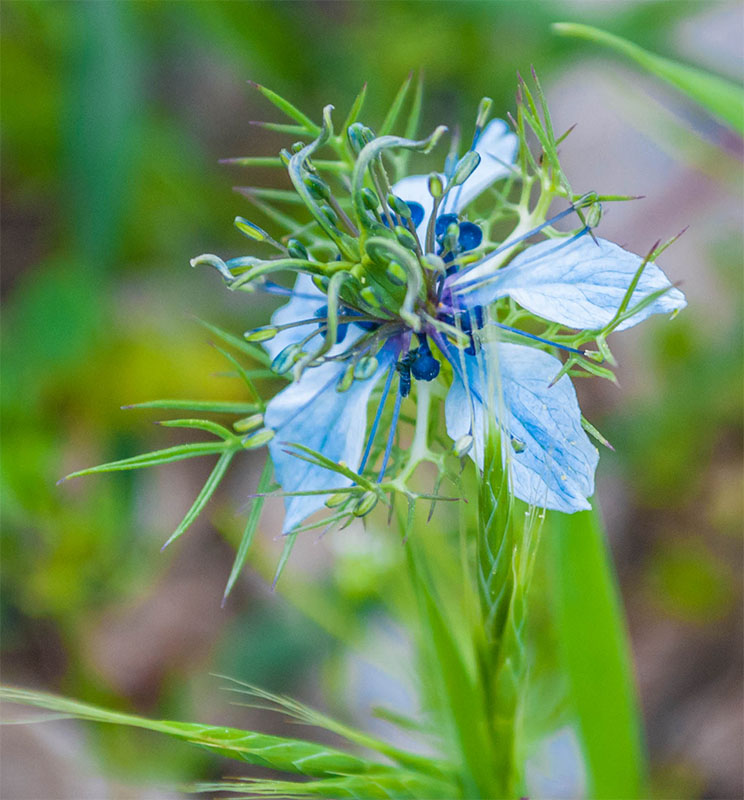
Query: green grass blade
(209,406)
(256,353)
(250,529)
(166,456)
(212,482)
(275,752)
(392,116)
(287,108)
(595,653)
(717,95)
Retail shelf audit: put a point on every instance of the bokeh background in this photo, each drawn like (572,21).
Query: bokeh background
(114,115)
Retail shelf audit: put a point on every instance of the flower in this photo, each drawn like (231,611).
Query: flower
(415,293)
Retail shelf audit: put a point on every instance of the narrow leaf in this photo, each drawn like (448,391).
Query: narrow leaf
(287,108)
(717,95)
(213,406)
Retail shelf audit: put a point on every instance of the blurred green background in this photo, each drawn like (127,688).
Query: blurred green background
(114,115)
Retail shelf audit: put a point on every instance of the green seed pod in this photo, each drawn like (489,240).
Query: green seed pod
(370,199)
(397,274)
(365,504)
(436,189)
(405,237)
(262,334)
(297,250)
(465,167)
(346,380)
(463,445)
(259,439)
(366,368)
(337,499)
(248,423)
(250,230)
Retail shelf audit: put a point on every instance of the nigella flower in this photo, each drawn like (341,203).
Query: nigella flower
(411,290)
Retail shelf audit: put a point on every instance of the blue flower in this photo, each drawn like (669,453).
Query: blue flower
(428,299)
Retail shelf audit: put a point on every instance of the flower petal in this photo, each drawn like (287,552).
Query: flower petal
(312,413)
(551,459)
(497,147)
(576,282)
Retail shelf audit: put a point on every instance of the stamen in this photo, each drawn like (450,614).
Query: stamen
(391,435)
(378,415)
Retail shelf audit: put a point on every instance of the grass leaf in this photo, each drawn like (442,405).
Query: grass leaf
(717,95)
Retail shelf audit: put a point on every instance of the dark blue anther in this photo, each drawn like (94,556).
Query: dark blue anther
(424,367)
(341,330)
(443,222)
(417,213)
(403,368)
(470,236)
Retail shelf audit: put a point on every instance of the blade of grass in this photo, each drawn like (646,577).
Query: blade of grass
(595,653)
(717,95)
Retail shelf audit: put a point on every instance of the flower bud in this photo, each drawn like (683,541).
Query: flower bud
(484,109)
(259,439)
(329,214)
(463,445)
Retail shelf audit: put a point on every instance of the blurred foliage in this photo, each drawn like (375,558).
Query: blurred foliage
(114,116)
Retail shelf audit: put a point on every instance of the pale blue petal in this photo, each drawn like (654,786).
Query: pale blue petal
(415,189)
(556,769)
(555,468)
(312,413)
(576,282)
(497,147)
(305,300)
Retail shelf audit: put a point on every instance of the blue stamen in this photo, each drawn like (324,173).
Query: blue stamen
(391,436)
(424,366)
(378,415)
